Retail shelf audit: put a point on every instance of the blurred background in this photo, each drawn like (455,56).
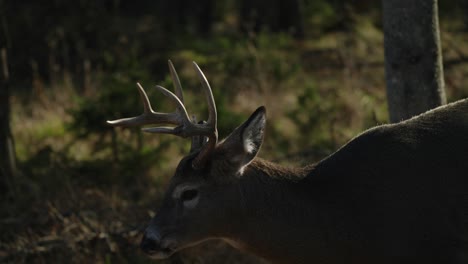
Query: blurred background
(83,191)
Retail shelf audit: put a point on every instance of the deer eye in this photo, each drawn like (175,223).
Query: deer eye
(188,195)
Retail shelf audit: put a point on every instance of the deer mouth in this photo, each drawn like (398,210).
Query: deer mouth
(161,253)
(157,248)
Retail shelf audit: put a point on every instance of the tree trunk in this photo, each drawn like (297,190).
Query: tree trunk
(7,153)
(413,59)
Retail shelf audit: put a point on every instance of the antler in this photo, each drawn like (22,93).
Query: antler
(184,126)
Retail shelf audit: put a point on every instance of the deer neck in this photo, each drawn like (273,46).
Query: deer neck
(273,205)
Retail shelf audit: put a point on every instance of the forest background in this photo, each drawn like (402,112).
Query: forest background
(83,191)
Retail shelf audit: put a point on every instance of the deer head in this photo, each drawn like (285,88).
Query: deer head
(203,196)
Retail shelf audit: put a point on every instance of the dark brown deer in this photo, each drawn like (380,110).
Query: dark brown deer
(394,194)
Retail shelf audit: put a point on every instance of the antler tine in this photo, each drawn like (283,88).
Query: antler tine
(184,128)
(211,125)
(212,117)
(144,98)
(148,117)
(176,81)
(176,100)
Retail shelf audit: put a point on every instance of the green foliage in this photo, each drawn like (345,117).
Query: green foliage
(320,15)
(312,114)
(115,97)
(265,61)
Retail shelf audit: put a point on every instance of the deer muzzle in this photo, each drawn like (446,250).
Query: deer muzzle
(154,246)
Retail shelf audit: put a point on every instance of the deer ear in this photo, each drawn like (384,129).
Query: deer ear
(253,132)
(241,147)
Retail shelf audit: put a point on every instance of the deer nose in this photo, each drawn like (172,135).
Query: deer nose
(150,242)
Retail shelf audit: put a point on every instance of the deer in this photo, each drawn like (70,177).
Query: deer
(396,193)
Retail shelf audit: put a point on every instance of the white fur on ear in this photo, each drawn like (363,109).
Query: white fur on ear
(249,146)
(253,134)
